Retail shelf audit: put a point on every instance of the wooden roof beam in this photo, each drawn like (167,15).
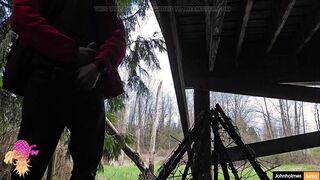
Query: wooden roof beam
(169,28)
(255,88)
(281,16)
(244,18)
(315,25)
(208,24)
(277,146)
(214,25)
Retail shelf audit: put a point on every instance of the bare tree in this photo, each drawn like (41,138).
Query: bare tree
(169,123)
(285,117)
(317,116)
(298,115)
(302,115)
(134,121)
(153,132)
(123,114)
(162,135)
(268,120)
(190,104)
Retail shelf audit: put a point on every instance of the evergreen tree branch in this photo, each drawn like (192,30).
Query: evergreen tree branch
(4,21)
(133,15)
(5,4)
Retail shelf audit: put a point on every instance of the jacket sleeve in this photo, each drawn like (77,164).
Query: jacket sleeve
(113,50)
(35,31)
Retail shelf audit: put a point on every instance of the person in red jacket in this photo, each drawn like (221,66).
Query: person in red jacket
(76,51)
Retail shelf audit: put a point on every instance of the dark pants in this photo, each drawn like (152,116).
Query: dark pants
(52,103)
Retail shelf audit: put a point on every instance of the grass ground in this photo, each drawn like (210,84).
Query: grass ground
(130,172)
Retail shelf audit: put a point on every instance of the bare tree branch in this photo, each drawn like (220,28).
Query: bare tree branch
(133,155)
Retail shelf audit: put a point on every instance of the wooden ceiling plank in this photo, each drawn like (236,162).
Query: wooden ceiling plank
(279,22)
(312,31)
(214,25)
(208,22)
(244,18)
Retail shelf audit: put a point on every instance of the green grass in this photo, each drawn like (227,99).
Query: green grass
(131,172)
(315,152)
(126,172)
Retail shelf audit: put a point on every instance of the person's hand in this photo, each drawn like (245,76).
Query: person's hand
(87,77)
(86,55)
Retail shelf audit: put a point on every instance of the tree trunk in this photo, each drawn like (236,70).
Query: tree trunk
(303,124)
(160,128)
(296,124)
(236,108)
(317,116)
(133,155)
(51,167)
(289,127)
(303,120)
(299,117)
(153,132)
(169,125)
(138,126)
(124,116)
(283,118)
(268,120)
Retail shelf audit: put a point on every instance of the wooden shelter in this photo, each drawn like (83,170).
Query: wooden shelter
(267,48)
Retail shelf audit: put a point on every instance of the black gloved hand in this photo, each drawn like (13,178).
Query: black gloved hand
(87,77)
(86,55)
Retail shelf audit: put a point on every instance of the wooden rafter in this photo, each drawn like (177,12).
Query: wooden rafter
(312,31)
(244,18)
(282,14)
(208,22)
(260,88)
(170,30)
(214,24)
(277,146)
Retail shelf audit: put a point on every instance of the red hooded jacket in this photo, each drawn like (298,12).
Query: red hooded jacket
(58,38)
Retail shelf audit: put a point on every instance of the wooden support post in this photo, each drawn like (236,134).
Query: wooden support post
(225,121)
(218,145)
(220,149)
(202,103)
(193,135)
(215,156)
